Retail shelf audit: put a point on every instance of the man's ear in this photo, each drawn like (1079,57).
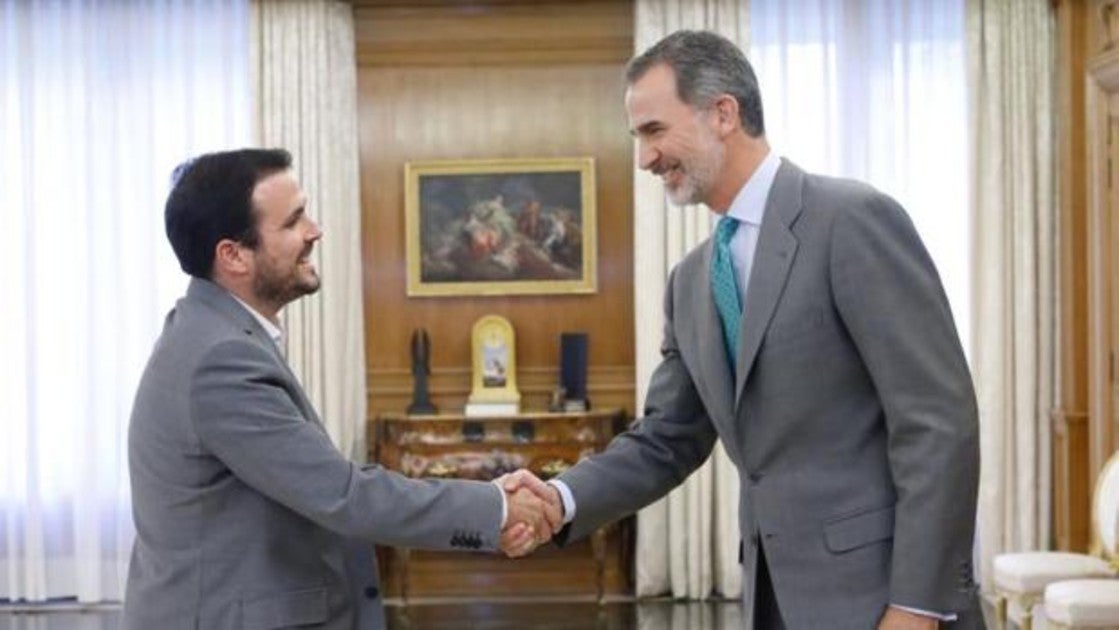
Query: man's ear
(726,114)
(230,257)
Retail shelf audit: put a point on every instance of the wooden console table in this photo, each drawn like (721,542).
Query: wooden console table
(483,448)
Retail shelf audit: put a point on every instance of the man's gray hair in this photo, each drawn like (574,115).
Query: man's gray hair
(707,66)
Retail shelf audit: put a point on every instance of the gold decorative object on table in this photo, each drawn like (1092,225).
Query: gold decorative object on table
(494,383)
(443,470)
(553,468)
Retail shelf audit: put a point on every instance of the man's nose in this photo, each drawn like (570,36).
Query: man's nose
(646,155)
(315,233)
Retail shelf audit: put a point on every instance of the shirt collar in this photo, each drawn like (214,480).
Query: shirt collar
(274,331)
(749,205)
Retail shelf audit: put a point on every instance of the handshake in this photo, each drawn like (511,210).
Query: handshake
(534,513)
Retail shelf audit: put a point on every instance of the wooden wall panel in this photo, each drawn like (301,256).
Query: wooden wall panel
(494,33)
(1101,106)
(1071,478)
(1083,427)
(420,99)
(609,387)
(442,79)
(1072,483)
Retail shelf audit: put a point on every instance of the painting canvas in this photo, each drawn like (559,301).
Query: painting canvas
(500,227)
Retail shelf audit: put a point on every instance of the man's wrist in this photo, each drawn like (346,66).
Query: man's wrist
(567,500)
(926,613)
(504,502)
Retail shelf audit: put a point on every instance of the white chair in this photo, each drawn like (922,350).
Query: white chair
(1082,604)
(1021,579)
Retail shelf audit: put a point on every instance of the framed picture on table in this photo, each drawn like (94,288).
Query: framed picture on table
(493,390)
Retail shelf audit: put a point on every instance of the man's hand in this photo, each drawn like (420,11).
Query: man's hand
(525,479)
(535,513)
(526,526)
(518,539)
(898,619)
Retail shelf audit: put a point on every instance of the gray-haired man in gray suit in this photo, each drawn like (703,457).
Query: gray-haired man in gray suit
(246,515)
(811,334)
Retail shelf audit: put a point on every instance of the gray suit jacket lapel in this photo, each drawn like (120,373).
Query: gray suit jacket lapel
(220,300)
(773,258)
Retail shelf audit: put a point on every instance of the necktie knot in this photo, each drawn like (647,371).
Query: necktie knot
(725,231)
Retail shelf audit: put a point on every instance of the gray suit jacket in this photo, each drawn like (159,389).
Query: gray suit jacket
(853,420)
(246,514)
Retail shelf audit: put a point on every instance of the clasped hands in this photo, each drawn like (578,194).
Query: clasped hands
(534,513)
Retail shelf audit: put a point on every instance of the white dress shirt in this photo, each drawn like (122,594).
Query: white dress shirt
(274,332)
(748,207)
(277,335)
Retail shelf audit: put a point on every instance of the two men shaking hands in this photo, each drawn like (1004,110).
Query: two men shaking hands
(534,512)
(811,336)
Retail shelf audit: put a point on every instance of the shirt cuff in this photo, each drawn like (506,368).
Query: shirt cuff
(568,500)
(504,502)
(926,613)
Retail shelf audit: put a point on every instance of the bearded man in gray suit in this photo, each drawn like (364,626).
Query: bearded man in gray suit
(812,335)
(246,515)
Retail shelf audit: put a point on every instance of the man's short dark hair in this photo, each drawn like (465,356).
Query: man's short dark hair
(707,65)
(211,200)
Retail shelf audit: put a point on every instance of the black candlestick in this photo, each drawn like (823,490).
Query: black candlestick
(421,355)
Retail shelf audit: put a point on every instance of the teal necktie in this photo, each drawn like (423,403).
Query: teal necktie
(723,287)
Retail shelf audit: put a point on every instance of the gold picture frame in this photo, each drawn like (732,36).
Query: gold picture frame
(500,226)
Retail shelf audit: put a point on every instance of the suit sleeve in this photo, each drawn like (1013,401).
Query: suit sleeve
(654,456)
(245,417)
(890,299)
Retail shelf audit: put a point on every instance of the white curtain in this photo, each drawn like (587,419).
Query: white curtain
(687,543)
(306,88)
(98,103)
(875,91)
(1011,46)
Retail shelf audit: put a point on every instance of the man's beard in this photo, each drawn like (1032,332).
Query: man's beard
(699,174)
(279,289)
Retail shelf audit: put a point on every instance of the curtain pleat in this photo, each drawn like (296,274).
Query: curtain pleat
(1011,48)
(306,82)
(687,543)
(99,101)
(874,91)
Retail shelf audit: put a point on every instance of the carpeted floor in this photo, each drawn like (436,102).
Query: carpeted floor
(539,615)
(546,615)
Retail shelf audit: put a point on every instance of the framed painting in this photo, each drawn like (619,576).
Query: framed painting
(500,227)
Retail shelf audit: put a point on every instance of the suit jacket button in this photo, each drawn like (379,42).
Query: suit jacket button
(371,592)
(755,477)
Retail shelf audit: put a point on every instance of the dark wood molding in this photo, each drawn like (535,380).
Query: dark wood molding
(493,33)
(390,389)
